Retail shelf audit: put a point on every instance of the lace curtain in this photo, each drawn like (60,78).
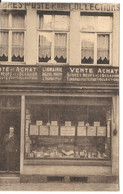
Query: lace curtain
(44,47)
(87,48)
(18,46)
(103,49)
(60,50)
(3,46)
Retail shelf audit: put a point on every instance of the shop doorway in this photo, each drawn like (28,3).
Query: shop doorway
(9,117)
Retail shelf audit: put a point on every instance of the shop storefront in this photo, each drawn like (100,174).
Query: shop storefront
(62,99)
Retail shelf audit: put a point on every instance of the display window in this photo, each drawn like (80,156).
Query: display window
(79,129)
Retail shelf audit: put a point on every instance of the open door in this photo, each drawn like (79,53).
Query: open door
(9,117)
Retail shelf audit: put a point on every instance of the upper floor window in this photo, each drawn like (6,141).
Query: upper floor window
(53,35)
(12,34)
(96,31)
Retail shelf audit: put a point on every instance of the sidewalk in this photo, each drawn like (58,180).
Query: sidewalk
(58,187)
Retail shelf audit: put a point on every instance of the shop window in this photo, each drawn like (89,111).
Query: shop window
(59,131)
(53,32)
(96,34)
(12,36)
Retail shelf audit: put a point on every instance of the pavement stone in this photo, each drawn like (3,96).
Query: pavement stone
(58,187)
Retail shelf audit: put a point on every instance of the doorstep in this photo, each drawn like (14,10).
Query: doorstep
(11,177)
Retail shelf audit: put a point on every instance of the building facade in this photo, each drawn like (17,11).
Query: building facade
(59,88)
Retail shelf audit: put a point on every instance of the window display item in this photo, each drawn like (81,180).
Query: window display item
(67,123)
(54,130)
(81,123)
(96,124)
(54,123)
(91,131)
(43,130)
(33,130)
(67,131)
(81,131)
(38,122)
(101,131)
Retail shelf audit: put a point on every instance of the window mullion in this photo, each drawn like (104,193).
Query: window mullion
(10,38)
(95,48)
(110,49)
(53,38)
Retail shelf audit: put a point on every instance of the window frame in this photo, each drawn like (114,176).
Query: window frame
(11,30)
(52,31)
(96,33)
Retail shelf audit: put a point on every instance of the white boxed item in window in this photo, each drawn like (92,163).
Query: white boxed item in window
(96,124)
(67,123)
(53,130)
(38,122)
(91,131)
(43,130)
(33,130)
(54,123)
(67,131)
(81,123)
(28,116)
(101,131)
(81,131)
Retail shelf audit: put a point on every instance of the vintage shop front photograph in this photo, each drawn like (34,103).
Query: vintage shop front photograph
(59,95)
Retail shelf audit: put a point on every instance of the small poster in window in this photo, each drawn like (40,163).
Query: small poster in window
(101,131)
(96,124)
(43,130)
(81,123)
(91,131)
(54,123)
(33,130)
(54,130)
(38,122)
(67,131)
(67,123)
(81,131)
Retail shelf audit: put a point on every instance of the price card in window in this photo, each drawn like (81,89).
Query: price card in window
(67,131)
(38,122)
(81,131)
(101,131)
(54,130)
(91,131)
(96,124)
(43,130)
(33,130)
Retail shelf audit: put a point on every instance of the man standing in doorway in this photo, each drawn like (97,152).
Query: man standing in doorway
(11,146)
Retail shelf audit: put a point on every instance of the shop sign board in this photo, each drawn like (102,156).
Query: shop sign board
(83,75)
(92,7)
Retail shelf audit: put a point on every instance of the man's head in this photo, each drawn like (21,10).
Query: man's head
(11,130)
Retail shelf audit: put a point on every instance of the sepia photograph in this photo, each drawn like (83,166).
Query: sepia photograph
(59,96)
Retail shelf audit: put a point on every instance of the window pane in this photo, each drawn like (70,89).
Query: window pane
(3,46)
(45,22)
(104,23)
(88,22)
(61,22)
(96,23)
(87,48)
(60,51)
(44,47)
(4,20)
(18,20)
(18,46)
(103,47)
